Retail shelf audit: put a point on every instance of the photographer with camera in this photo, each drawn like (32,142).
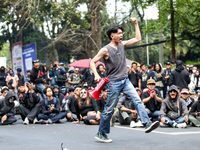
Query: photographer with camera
(12,79)
(58,74)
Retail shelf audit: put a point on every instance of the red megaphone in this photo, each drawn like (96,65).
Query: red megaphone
(97,90)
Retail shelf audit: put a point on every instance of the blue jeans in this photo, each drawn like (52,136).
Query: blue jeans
(113,90)
(41,87)
(155,114)
(171,122)
(54,117)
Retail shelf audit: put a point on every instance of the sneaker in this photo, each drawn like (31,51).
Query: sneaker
(26,121)
(49,121)
(132,124)
(163,125)
(102,137)
(35,121)
(182,125)
(139,124)
(151,126)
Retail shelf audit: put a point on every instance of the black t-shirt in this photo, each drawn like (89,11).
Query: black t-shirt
(101,103)
(152,104)
(71,100)
(133,77)
(189,102)
(143,76)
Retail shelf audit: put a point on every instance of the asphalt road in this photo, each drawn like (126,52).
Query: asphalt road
(81,137)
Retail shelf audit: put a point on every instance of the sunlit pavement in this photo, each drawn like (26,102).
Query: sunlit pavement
(81,137)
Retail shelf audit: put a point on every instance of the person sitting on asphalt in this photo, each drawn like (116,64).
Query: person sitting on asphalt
(64,90)
(127,113)
(101,103)
(12,79)
(152,100)
(7,109)
(57,93)
(16,101)
(194,115)
(68,103)
(51,111)
(87,109)
(4,91)
(185,96)
(173,110)
(29,107)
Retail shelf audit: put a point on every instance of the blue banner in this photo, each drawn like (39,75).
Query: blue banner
(29,54)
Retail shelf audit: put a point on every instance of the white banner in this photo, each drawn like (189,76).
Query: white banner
(3,61)
(17,58)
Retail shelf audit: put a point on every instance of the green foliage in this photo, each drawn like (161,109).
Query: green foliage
(5,52)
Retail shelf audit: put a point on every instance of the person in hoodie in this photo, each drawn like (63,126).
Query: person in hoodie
(3,76)
(51,111)
(29,106)
(179,76)
(12,79)
(173,110)
(57,93)
(7,109)
(194,115)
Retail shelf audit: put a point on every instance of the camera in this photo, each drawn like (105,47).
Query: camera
(54,65)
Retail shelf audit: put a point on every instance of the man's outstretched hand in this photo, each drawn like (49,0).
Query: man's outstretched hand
(134,20)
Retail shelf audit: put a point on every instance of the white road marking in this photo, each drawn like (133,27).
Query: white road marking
(160,132)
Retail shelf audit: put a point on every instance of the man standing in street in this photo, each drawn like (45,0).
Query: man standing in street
(115,62)
(179,76)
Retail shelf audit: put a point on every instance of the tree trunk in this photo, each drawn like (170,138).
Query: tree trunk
(94,42)
(172,30)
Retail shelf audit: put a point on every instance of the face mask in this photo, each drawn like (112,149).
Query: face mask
(193,71)
(55,94)
(11,99)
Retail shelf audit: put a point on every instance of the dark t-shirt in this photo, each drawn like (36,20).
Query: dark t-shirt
(101,103)
(46,109)
(71,100)
(152,104)
(133,77)
(143,76)
(189,102)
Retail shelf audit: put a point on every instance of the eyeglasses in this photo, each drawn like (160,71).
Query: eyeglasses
(172,91)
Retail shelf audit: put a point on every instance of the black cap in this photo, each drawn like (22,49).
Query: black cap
(149,66)
(173,61)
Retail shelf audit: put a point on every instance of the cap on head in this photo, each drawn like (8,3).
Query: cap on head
(184,91)
(192,92)
(151,81)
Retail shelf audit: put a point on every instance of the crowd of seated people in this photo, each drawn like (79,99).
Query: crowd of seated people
(44,96)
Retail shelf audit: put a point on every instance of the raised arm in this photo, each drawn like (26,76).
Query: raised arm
(102,53)
(137,34)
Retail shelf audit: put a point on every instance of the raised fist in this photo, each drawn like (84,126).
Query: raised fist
(133,20)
